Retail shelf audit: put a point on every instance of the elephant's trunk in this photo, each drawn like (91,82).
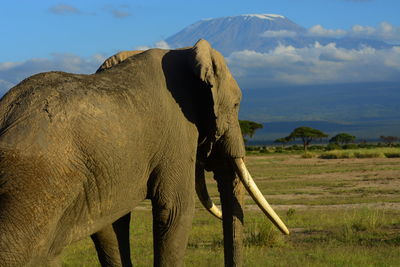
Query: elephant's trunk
(231,193)
(202,193)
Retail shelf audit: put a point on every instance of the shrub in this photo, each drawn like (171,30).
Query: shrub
(335,155)
(392,155)
(350,146)
(367,155)
(345,155)
(366,145)
(253,148)
(308,155)
(295,147)
(333,147)
(328,156)
(264,151)
(262,234)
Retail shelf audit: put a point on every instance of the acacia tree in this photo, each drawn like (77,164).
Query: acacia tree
(389,140)
(342,138)
(249,128)
(306,134)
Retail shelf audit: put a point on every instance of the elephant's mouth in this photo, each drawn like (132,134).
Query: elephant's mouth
(251,187)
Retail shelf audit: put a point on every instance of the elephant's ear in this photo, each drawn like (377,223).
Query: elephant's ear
(116,59)
(206,67)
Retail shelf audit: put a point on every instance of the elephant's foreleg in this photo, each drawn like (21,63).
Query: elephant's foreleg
(173,210)
(112,243)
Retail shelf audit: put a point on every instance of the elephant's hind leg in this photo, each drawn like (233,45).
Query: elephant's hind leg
(112,244)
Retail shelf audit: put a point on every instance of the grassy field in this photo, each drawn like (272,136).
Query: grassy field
(341,212)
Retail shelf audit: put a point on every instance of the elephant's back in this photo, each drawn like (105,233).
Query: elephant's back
(38,109)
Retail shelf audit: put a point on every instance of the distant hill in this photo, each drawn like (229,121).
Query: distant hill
(366,110)
(258,32)
(336,102)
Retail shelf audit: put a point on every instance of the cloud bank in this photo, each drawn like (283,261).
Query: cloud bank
(384,32)
(12,73)
(318,64)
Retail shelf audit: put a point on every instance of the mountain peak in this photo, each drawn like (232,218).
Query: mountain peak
(264,16)
(234,33)
(260,33)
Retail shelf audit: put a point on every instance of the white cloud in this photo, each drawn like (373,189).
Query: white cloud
(384,32)
(319,31)
(119,12)
(12,73)
(159,44)
(362,30)
(62,9)
(277,34)
(318,64)
(162,44)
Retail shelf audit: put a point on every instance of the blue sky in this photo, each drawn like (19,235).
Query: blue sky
(76,35)
(32,29)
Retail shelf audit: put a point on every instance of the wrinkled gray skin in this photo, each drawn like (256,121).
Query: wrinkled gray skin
(79,152)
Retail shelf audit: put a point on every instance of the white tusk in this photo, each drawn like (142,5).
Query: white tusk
(257,196)
(202,193)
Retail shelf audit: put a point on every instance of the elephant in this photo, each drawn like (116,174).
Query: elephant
(79,152)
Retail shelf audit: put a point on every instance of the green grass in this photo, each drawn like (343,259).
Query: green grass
(341,212)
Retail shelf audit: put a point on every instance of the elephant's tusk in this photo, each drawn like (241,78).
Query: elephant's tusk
(202,193)
(256,194)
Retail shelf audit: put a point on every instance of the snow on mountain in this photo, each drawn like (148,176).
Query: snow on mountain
(265,16)
(261,33)
(235,33)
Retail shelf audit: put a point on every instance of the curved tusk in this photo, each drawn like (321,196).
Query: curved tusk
(202,193)
(257,196)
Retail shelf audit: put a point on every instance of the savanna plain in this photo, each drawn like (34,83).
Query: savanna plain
(341,212)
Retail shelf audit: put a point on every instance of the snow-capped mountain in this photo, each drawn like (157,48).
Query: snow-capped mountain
(259,32)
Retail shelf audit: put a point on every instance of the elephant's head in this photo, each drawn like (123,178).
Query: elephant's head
(222,151)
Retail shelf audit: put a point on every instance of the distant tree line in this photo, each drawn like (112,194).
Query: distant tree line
(307,135)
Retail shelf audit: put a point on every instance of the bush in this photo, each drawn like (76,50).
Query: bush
(345,155)
(333,147)
(392,155)
(365,155)
(262,234)
(316,147)
(253,148)
(295,148)
(328,156)
(366,145)
(350,146)
(335,155)
(278,150)
(308,155)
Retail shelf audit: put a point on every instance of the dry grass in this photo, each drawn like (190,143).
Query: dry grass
(341,212)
